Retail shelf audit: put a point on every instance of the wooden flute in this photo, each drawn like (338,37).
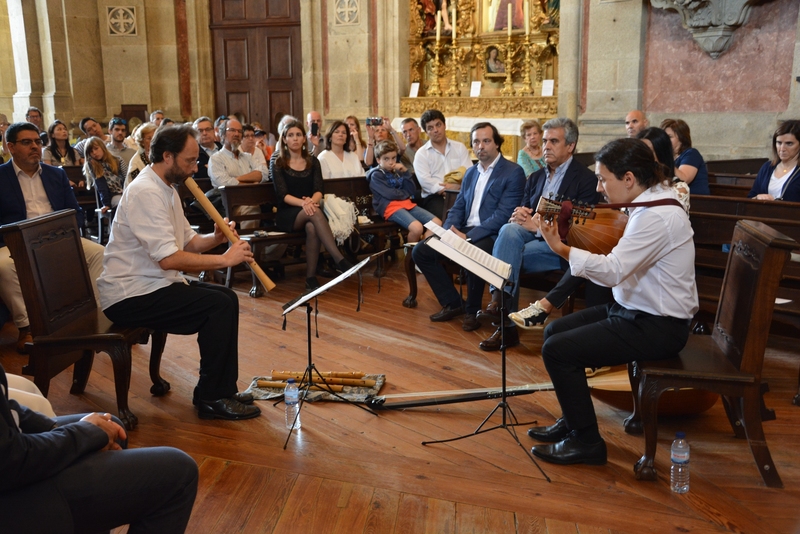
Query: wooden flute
(313,387)
(268,284)
(328,380)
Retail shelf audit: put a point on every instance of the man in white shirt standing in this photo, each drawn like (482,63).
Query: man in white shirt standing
(151,243)
(435,159)
(232,166)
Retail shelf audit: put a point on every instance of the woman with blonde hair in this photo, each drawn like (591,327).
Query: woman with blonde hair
(530,158)
(143,136)
(104,171)
(356,143)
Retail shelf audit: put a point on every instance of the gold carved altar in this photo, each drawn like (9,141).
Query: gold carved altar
(510,46)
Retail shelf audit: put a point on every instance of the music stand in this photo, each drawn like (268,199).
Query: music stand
(509,420)
(310,367)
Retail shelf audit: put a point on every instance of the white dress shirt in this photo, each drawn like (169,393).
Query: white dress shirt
(333,167)
(148,227)
(36,201)
(224,168)
(652,267)
(430,165)
(474,218)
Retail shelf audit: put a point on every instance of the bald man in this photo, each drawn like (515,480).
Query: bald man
(635,122)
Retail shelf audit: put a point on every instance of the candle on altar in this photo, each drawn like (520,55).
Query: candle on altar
(438,25)
(528,17)
(510,20)
(453,21)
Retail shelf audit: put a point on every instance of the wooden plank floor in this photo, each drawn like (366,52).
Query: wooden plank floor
(349,471)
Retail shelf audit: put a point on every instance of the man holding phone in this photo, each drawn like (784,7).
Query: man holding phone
(316,143)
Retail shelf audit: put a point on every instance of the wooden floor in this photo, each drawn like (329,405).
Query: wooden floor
(349,471)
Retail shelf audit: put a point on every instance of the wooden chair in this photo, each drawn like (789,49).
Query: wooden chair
(66,324)
(729,361)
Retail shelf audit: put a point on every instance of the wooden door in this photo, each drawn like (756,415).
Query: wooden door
(257,58)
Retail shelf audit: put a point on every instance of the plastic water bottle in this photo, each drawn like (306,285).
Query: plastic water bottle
(679,472)
(291,397)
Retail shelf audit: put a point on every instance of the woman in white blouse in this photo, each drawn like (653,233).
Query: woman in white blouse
(338,161)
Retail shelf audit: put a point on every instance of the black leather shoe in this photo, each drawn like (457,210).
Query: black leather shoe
(493,342)
(492,311)
(471,322)
(244,397)
(229,409)
(447,313)
(572,451)
(550,434)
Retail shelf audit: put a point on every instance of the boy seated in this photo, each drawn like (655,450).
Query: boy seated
(392,191)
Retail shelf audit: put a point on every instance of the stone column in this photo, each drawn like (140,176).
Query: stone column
(615,69)
(569,58)
(27,56)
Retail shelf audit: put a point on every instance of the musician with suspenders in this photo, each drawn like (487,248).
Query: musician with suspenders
(651,271)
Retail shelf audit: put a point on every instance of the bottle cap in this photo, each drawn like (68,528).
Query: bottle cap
(290,381)
(680,435)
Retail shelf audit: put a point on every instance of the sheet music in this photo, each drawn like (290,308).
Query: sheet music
(469,250)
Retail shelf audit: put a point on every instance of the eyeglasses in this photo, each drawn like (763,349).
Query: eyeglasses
(249,136)
(204,130)
(234,130)
(28,142)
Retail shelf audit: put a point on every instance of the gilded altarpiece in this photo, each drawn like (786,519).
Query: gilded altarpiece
(477,45)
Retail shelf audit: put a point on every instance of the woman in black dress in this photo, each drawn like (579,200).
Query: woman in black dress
(298,183)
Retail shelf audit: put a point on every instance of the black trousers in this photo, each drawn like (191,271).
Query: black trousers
(600,336)
(210,311)
(151,489)
(429,262)
(595,294)
(434,204)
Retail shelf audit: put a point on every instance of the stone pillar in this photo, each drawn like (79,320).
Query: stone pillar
(27,56)
(125,53)
(87,81)
(56,71)
(8,82)
(201,59)
(569,58)
(615,69)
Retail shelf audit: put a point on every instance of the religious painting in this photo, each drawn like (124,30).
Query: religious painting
(495,15)
(428,8)
(495,67)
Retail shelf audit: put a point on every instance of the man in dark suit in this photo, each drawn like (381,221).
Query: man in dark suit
(74,474)
(489,192)
(520,243)
(29,189)
(208,146)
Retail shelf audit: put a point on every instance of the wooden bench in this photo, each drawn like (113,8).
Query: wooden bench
(727,190)
(713,221)
(354,189)
(738,166)
(744,180)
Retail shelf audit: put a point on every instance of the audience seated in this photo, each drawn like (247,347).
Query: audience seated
(157,117)
(438,157)
(250,146)
(27,190)
(689,164)
(104,171)
(411,133)
(230,166)
(489,192)
(393,191)
(779,178)
(58,152)
(316,144)
(75,474)
(34,116)
(208,145)
(118,131)
(357,144)
(383,132)
(338,161)
(530,158)
(635,122)
(91,128)
(143,136)
(520,242)
(299,186)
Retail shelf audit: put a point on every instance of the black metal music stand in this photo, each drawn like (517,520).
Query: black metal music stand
(311,369)
(509,420)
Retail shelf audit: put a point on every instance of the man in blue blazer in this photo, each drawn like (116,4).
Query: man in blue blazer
(29,189)
(489,193)
(519,242)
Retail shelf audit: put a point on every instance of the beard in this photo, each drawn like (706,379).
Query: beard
(235,146)
(175,175)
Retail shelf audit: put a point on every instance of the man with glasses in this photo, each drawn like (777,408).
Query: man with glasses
(232,166)
(208,145)
(435,159)
(118,130)
(34,116)
(29,189)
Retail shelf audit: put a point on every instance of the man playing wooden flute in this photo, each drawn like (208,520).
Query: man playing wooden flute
(651,271)
(151,243)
